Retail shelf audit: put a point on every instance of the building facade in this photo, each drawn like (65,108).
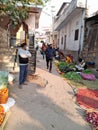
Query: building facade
(21,31)
(90,46)
(70,27)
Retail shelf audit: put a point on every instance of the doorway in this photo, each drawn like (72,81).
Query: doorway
(65,42)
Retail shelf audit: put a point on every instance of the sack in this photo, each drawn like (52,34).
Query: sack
(11,77)
(88,76)
(10,103)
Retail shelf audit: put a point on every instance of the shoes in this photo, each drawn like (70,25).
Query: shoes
(20,86)
(25,83)
(50,71)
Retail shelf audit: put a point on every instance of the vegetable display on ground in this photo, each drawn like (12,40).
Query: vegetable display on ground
(73,76)
(92,118)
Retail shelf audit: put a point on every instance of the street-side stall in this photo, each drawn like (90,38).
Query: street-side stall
(5,101)
(92,118)
(85,87)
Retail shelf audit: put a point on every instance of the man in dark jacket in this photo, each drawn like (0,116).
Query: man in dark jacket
(24,54)
(49,57)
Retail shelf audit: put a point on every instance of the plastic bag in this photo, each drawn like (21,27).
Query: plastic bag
(3,79)
(10,103)
(90,77)
(11,77)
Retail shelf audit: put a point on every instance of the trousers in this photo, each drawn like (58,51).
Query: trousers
(49,63)
(23,73)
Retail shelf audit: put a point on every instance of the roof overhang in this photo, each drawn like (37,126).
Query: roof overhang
(92,18)
(75,12)
(69,12)
(62,6)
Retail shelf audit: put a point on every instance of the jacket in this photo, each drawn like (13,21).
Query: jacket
(23,56)
(49,53)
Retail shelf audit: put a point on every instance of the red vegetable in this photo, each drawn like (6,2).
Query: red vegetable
(92,118)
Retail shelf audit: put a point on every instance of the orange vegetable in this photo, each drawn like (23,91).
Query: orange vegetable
(3,95)
(2,114)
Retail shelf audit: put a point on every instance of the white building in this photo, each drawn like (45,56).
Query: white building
(70,25)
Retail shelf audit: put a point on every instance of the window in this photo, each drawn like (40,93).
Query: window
(58,42)
(62,41)
(65,43)
(76,34)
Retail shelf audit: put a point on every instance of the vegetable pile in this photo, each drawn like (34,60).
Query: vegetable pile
(87,71)
(3,79)
(72,76)
(2,115)
(65,67)
(56,62)
(61,65)
(92,118)
(3,95)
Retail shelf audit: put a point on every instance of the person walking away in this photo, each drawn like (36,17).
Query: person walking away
(43,49)
(24,55)
(49,57)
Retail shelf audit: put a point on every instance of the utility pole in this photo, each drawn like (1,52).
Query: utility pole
(52,12)
(86,9)
(86,4)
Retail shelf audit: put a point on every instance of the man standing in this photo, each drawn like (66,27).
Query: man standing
(24,54)
(49,57)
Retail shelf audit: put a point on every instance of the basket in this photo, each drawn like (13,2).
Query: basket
(92,110)
(3,95)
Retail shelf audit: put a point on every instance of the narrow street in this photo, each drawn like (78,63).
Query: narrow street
(47,101)
(48,108)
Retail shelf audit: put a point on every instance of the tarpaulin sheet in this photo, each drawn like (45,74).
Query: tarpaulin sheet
(87,98)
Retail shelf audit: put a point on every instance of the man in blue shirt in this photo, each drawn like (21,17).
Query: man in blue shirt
(49,57)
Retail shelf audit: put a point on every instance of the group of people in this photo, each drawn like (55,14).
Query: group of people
(24,54)
(48,52)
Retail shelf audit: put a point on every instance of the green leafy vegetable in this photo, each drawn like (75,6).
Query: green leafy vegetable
(3,79)
(61,65)
(72,76)
(87,71)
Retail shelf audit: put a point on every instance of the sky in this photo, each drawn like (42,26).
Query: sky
(92,5)
(46,20)
(46,15)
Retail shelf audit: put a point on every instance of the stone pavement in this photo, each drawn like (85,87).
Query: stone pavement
(49,108)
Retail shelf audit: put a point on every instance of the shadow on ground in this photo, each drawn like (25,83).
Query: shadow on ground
(36,110)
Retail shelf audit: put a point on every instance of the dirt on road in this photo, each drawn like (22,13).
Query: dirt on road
(45,108)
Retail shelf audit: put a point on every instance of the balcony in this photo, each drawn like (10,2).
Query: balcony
(74,7)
